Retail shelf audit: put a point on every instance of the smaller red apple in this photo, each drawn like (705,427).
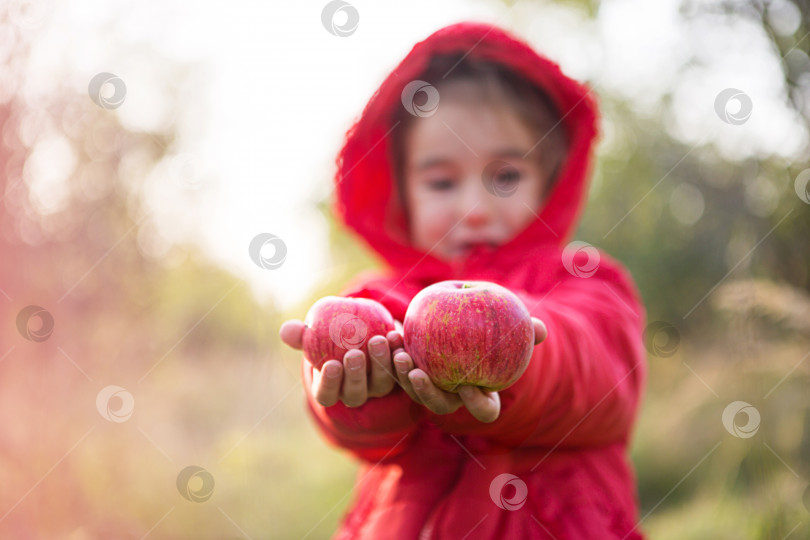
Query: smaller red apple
(335,324)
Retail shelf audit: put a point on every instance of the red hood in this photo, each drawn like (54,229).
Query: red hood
(364,179)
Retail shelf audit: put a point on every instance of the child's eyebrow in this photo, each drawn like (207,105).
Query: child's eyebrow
(510,153)
(433,161)
(437,161)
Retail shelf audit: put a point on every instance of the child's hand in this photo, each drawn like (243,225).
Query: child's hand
(337,380)
(483,405)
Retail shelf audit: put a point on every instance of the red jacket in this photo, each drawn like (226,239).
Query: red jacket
(564,427)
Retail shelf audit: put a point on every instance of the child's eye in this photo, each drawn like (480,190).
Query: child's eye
(441,184)
(507,176)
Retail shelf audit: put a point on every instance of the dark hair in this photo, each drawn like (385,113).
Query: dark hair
(493,83)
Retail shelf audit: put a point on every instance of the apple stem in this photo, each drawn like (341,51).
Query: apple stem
(466,286)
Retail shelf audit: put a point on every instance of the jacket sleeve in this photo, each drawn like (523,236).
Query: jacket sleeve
(583,382)
(382,427)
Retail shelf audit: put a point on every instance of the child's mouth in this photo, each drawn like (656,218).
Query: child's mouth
(471,248)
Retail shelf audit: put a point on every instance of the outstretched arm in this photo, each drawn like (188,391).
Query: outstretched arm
(363,410)
(352,380)
(583,383)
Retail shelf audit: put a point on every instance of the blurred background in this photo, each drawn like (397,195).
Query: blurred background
(143,145)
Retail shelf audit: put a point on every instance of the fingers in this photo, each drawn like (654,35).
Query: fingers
(403,364)
(355,386)
(381,379)
(326,382)
(434,398)
(540,330)
(292,332)
(344,381)
(418,385)
(484,406)
(354,380)
(395,340)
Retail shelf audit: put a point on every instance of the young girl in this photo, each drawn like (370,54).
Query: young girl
(471,161)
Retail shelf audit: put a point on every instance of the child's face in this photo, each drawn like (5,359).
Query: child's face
(451,211)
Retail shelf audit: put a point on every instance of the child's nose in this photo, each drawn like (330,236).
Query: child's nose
(476,204)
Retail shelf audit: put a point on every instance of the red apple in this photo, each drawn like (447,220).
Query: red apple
(335,324)
(469,332)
